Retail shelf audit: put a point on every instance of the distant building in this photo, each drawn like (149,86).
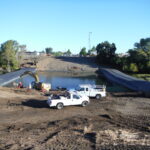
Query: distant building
(66,55)
(93,53)
(42,53)
(75,55)
(28,54)
(123,55)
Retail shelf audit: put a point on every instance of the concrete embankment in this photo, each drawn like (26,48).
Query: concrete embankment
(12,76)
(130,82)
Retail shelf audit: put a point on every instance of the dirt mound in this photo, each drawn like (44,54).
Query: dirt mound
(72,133)
(68,64)
(114,122)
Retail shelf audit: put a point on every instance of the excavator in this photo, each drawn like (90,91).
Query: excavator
(37,84)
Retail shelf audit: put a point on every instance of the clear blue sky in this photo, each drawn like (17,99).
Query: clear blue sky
(65,24)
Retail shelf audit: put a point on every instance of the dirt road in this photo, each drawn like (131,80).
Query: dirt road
(116,122)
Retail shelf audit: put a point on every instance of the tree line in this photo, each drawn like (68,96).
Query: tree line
(136,60)
(10,60)
(49,51)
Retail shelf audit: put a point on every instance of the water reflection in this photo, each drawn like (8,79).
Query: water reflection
(67,80)
(71,80)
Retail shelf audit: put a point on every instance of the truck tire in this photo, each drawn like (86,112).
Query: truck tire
(85,103)
(98,96)
(60,106)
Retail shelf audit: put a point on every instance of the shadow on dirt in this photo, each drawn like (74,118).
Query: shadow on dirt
(106,116)
(35,103)
(128,94)
(92,138)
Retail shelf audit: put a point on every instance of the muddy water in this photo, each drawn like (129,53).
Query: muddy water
(70,80)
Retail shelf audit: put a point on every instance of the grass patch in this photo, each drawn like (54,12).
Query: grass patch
(142,76)
(1,72)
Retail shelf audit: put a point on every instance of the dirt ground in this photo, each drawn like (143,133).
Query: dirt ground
(119,121)
(67,64)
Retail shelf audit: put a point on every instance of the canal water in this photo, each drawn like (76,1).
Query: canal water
(70,80)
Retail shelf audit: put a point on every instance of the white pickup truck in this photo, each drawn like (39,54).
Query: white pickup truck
(96,91)
(72,98)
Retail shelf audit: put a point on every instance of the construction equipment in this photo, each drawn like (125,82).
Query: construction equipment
(37,84)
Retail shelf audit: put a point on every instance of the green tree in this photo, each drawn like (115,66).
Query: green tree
(0,59)
(83,52)
(106,53)
(120,62)
(49,50)
(92,51)
(21,51)
(8,56)
(140,55)
(130,68)
(22,48)
(57,54)
(133,67)
(68,53)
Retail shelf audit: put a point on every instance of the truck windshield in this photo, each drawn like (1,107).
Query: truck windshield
(80,89)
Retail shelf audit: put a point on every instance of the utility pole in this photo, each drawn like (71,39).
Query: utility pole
(90,33)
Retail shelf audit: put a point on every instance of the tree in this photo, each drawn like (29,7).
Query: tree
(92,51)
(130,68)
(48,50)
(68,53)
(20,54)
(83,52)
(22,48)
(57,54)
(140,55)
(143,44)
(106,53)
(8,55)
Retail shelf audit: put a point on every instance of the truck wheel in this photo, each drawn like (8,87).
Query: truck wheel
(60,106)
(98,96)
(85,103)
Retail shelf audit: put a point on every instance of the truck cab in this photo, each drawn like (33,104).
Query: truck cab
(96,91)
(72,98)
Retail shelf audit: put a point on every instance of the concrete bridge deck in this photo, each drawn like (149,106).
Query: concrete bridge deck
(12,76)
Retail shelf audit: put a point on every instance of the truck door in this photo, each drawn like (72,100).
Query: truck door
(76,100)
(87,92)
(82,91)
(68,100)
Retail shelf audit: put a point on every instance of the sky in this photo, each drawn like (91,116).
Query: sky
(65,24)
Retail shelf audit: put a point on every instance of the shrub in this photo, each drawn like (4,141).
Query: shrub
(130,68)
(133,67)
